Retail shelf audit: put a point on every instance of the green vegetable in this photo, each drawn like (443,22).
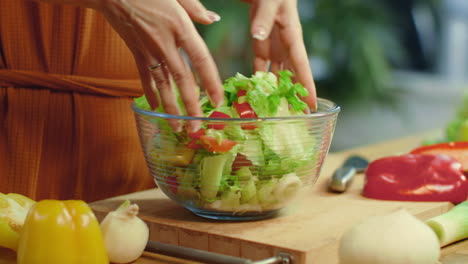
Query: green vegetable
(451,226)
(211,172)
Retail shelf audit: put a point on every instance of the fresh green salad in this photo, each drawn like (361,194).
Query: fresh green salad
(238,166)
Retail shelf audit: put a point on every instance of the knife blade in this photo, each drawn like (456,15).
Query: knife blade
(344,175)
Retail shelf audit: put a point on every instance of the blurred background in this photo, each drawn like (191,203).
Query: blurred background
(396,67)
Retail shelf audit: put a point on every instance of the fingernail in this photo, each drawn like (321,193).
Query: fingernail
(259,33)
(213,16)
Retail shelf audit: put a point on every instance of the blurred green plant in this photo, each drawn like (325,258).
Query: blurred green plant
(353,40)
(357,43)
(229,40)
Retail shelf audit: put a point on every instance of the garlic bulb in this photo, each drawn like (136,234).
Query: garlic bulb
(125,234)
(396,238)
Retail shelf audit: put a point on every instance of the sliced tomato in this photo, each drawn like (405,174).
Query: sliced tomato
(196,135)
(218,125)
(194,144)
(457,150)
(240,161)
(212,144)
(245,111)
(241,93)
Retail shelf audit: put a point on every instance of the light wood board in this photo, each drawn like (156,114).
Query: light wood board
(310,229)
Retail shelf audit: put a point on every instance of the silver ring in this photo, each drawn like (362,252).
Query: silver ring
(155,67)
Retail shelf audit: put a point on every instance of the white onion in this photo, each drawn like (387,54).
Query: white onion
(125,234)
(396,238)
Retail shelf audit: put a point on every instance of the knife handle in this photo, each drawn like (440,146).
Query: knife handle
(341,179)
(211,257)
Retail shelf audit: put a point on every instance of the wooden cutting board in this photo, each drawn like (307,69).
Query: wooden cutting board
(310,229)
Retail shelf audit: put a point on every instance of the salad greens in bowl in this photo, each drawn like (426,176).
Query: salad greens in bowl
(251,157)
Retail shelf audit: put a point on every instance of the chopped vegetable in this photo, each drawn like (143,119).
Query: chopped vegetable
(214,145)
(125,234)
(240,166)
(416,177)
(61,232)
(13,210)
(215,124)
(457,150)
(451,226)
(395,238)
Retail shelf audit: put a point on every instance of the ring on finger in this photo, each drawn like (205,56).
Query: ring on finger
(154,67)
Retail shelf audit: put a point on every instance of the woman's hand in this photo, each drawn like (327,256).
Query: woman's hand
(154,30)
(278,42)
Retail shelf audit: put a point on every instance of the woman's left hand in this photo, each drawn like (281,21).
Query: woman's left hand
(278,42)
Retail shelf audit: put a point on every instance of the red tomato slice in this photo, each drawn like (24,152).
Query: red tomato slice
(457,150)
(245,111)
(241,93)
(240,161)
(196,135)
(212,144)
(194,144)
(218,125)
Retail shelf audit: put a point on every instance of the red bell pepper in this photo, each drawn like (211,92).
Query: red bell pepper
(240,161)
(245,111)
(458,150)
(416,177)
(196,135)
(218,125)
(194,144)
(241,93)
(194,139)
(212,144)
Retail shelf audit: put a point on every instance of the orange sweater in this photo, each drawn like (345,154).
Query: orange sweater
(66,83)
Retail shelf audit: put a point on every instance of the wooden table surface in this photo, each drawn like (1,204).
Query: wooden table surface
(392,147)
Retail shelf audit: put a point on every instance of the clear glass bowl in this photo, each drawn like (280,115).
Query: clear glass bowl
(268,163)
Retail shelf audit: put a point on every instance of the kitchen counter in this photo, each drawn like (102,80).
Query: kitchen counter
(323,243)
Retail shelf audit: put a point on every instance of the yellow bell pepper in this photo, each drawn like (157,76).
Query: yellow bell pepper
(13,210)
(59,232)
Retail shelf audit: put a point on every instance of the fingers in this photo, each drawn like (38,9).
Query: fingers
(205,66)
(261,48)
(131,40)
(167,95)
(278,54)
(262,55)
(183,77)
(198,12)
(264,18)
(147,81)
(300,62)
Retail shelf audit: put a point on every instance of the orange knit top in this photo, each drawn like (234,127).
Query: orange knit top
(66,85)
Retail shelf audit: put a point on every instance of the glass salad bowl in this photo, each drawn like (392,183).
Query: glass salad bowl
(237,168)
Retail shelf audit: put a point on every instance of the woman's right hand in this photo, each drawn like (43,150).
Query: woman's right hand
(155,30)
